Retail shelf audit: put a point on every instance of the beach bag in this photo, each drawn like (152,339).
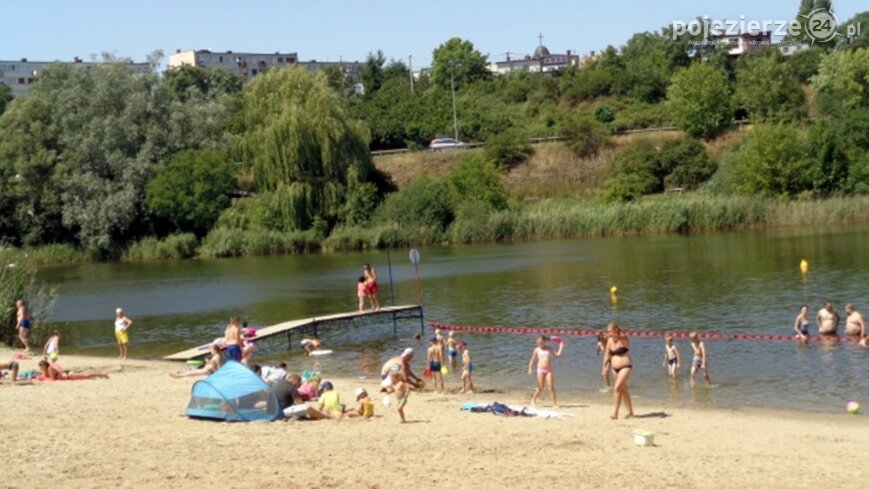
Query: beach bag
(499,409)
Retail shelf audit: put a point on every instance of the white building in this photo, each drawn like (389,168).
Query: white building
(248,65)
(19,75)
(541,61)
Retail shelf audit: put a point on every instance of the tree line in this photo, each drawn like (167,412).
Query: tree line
(103,158)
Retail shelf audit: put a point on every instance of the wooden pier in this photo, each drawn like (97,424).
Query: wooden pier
(270,337)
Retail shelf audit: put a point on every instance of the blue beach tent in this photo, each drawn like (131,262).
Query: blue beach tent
(233,393)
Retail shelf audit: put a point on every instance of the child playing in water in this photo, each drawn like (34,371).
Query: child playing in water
(402,391)
(701,361)
(543,354)
(310,345)
(435,360)
(671,356)
(605,369)
(361,292)
(452,353)
(467,369)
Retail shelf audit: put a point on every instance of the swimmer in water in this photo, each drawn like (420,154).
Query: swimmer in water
(854,323)
(802,323)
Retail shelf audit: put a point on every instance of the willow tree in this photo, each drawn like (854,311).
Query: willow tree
(308,156)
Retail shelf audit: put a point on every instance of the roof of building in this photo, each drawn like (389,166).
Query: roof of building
(541,52)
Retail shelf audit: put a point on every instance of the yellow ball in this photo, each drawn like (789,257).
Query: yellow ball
(445,371)
(804,266)
(614,290)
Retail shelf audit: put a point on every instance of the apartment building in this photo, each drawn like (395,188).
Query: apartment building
(20,74)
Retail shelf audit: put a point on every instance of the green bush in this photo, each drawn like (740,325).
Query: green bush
(767,88)
(699,100)
(633,172)
(684,163)
(642,169)
(508,149)
(425,202)
(192,190)
(604,114)
(858,175)
(582,134)
(172,247)
(226,242)
(639,115)
(773,161)
(478,181)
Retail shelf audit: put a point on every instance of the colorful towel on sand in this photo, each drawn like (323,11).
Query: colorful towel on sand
(499,409)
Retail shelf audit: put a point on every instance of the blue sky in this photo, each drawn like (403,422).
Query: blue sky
(333,29)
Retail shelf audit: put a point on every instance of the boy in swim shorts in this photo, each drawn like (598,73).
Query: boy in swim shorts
(23,325)
(700,361)
(452,352)
(401,389)
(435,361)
(671,356)
(467,369)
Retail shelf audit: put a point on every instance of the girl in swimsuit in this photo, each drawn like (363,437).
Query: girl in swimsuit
(801,324)
(616,355)
(543,355)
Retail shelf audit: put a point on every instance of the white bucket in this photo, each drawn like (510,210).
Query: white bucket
(644,438)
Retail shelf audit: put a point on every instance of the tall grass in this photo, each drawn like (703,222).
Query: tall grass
(225,242)
(53,254)
(173,247)
(546,219)
(573,218)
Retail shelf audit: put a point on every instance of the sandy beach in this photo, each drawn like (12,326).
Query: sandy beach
(131,431)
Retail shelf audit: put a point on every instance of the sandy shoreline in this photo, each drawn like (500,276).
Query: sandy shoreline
(130,431)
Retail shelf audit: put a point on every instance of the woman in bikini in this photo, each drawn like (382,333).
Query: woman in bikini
(543,355)
(211,365)
(53,371)
(617,357)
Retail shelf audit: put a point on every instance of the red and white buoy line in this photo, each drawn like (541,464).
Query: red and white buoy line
(640,334)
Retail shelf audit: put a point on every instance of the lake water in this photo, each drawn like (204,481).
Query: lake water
(732,282)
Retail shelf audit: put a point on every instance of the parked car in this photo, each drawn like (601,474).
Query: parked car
(445,143)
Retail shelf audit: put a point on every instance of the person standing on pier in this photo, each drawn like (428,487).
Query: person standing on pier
(371,284)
